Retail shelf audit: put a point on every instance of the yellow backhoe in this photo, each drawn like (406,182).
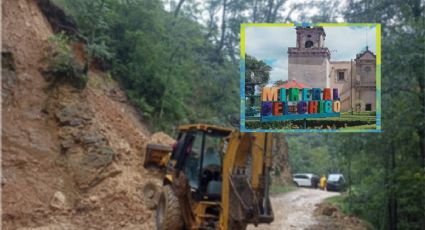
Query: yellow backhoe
(214,178)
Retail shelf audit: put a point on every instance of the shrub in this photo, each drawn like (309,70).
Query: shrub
(101,55)
(311,124)
(62,65)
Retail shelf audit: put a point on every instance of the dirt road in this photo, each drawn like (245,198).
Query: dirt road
(294,210)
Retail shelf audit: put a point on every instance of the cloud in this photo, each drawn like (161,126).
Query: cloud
(345,42)
(270,44)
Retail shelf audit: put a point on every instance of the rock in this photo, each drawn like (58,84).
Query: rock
(102,156)
(329,210)
(67,144)
(66,114)
(76,122)
(9,78)
(8,61)
(72,116)
(75,150)
(161,138)
(118,95)
(58,226)
(83,205)
(94,199)
(87,177)
(58,201)
(92,138)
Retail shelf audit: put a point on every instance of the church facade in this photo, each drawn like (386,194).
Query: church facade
(310,63)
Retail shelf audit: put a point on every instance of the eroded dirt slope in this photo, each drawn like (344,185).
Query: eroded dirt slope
(71,159)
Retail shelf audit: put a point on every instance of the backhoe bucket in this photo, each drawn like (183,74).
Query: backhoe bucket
(157,156)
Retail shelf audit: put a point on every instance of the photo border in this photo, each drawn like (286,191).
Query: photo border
(303,24)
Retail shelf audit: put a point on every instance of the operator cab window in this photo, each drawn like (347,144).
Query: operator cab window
(212,152)
(211,167)
(191,167)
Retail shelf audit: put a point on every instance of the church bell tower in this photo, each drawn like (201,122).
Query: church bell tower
(308,62)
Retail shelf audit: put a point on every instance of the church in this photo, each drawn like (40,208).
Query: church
(310,64)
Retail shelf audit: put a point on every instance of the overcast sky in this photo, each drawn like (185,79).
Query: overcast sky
(270,44)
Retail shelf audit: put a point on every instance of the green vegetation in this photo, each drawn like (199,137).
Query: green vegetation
(311,155)
(349,117)
(179,67)
(340,202)
(362,120)
(166,62)
(330,123)
(62,65)
(360,127)
(257,73)
(280,189)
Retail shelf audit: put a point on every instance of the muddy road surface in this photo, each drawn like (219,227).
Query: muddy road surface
(294,210)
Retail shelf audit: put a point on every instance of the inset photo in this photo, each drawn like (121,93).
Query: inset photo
(310,77)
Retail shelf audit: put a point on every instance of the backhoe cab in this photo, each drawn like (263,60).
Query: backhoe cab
(214,178)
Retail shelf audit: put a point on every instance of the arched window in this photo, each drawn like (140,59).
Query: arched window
(308,44)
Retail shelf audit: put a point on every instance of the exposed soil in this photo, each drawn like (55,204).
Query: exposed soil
(330,217)
(71,159)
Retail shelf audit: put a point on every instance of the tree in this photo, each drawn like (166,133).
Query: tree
(257,73)
(280,82)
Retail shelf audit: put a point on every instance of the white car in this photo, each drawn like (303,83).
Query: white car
(305,179)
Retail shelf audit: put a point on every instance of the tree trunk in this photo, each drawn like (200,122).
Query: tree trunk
(254,13)
(179,6)
(223,28)
(350,195)
(392,202)
(288,16)
(269,10)
(276,10)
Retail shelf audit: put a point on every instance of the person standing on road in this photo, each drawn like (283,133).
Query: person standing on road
(315,181)
(323,182)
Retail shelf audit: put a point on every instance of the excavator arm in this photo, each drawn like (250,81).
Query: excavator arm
(246,181)
(243,179)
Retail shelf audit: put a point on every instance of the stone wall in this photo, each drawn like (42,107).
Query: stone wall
(312,71)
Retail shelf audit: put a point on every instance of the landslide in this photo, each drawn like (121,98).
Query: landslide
(71,158)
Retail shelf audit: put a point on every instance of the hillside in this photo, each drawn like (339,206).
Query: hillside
(71,158)
(72,155)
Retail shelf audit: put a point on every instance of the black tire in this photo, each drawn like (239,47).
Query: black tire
(239,226)
(168,213)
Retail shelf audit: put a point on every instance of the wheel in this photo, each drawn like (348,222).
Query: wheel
(168,213)
(239,226)
(296,184)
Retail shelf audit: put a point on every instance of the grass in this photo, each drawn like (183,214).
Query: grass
(280,189)
(339,201)
(373,126)
(347,121)
(342,203)
(348,117)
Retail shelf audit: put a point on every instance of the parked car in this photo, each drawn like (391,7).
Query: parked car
(335,182)
(305,180)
